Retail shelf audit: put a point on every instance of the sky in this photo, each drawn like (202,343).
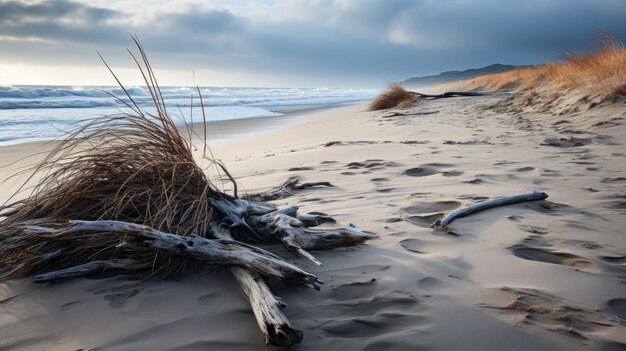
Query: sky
(290,43)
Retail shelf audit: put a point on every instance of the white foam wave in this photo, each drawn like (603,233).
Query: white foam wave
(36,112)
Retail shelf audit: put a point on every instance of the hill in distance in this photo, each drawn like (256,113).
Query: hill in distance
(455,76)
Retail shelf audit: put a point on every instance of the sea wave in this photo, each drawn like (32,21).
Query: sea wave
(44,112)
(49,97)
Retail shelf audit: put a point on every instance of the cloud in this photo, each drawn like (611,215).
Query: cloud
(334,41)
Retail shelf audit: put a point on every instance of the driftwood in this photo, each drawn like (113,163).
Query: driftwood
(213,251)
(267,309)
(291,228)
(286,189)
(484,205)
(295,235)
(402,114)
(448,94)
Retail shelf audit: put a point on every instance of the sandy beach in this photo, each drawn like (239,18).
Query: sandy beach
(546,275)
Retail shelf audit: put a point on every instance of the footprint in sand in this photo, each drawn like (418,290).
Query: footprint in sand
(119,296)
(566,142)
(430,169)
(529,307)
(452,173)
(533,229)
(412,245)
(421,171)
(430,283)
(355,290)
(295,169)
(616,205)
(381,310)
(378,180)
(613,180)
(426,213)
(555,257)
(424,221)
(372,164)
(618,307)
(430,207)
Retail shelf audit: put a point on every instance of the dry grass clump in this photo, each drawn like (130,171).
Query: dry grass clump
(602,71)
(394,97)
(133,167)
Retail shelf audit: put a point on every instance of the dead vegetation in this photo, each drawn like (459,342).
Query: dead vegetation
(397,97)
(394,97)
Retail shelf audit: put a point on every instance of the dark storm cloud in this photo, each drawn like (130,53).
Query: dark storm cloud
(13,12)
(363,40)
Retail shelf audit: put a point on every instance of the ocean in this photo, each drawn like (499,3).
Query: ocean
(45,112)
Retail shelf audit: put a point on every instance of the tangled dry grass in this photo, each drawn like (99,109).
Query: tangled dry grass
(133,167)
(601,72)
(394,97)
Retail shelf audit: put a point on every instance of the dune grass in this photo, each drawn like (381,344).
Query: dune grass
(601,71)
(394,97)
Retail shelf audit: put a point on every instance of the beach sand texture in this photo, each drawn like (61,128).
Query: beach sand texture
(547,275)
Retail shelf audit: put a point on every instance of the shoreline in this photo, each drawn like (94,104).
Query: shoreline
(220,130)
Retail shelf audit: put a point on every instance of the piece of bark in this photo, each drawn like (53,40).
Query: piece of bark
(481,206)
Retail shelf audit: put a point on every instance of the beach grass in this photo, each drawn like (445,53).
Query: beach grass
(394,97)
(600,71)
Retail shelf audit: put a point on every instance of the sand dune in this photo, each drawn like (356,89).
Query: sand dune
(546,275)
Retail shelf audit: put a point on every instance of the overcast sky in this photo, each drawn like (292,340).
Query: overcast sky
(313,43)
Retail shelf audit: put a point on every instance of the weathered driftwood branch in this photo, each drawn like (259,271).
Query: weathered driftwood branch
(401,114)
(286,189)
(481,206)
(267,309)
(116,266)
(294,234)
(269,225)
(448,94)
(221,252)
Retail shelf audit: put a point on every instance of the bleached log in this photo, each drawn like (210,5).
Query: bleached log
(90,268)
(221,252)
(481,206)
(267,309)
